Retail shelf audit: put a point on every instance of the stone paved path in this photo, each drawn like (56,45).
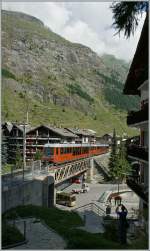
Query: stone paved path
(39,236)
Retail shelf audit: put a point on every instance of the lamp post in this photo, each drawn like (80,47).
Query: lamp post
(118,179)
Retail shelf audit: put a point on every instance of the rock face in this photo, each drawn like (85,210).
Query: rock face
(47,70)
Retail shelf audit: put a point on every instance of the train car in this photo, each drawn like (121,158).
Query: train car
(61,153)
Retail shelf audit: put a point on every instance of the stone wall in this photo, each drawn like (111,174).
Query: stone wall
(30,192)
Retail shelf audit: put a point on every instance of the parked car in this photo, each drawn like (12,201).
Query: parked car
(77,181)
(86,189)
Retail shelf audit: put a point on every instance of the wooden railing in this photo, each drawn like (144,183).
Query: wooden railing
(138,116)
(139,152)
(137,188)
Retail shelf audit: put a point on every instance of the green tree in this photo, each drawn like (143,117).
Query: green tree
(122,166)
(19,158)
(113,156)
(126,15)
(38,155)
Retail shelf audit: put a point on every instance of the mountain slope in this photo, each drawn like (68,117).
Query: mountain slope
(58,81)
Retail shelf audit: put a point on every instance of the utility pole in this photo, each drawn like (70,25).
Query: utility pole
(24,148)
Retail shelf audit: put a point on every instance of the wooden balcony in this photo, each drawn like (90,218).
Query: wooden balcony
(137,187)
(138,117)
(139,152)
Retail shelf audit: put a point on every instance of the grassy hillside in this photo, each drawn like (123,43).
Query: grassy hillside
(59,82)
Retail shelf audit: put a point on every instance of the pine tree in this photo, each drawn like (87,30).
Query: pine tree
(113,156)
(122,165)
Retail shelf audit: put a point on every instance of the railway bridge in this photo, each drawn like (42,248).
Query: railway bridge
(38,184)
(69,170)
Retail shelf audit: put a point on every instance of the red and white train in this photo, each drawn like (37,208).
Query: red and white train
(61,153)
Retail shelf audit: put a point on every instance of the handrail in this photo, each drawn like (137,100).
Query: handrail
(91,205)
(103,168)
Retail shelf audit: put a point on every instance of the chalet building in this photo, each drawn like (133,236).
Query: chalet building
(84,135)
(137,84)
(5,131)
(41,135)
(108,138)
(35,138)
(15,140)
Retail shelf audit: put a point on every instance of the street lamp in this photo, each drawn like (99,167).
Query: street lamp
(118,179)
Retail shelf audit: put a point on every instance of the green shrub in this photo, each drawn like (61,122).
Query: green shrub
(21,95)
(7,74)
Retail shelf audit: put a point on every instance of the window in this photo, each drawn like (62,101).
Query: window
(73,151)
(57,151)
(49,151)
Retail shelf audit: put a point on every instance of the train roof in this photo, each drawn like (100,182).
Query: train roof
(74,145)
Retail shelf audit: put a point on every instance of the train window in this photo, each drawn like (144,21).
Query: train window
(61,150)
(57,151)
(49,151)
(74,151)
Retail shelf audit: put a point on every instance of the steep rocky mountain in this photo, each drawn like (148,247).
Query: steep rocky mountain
(59,82)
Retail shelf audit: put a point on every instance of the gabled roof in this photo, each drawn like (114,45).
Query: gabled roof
(83,132)
(60,131)
(138,72)
(63,132)
(21,127)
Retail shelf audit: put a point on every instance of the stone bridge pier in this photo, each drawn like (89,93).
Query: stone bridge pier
(90,171)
